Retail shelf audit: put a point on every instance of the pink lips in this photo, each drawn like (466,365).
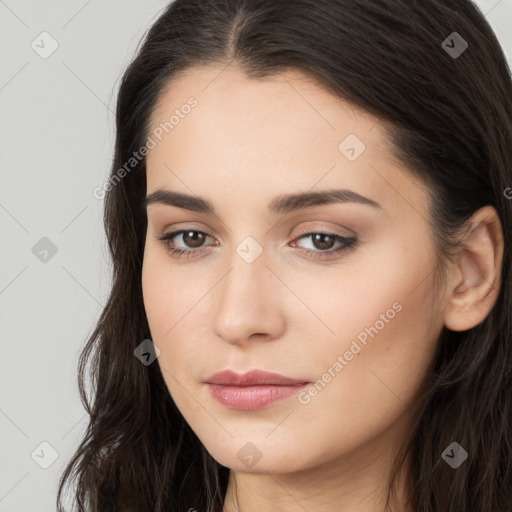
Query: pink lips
(252,390)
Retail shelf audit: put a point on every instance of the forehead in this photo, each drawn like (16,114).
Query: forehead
(284,131)
(230,103)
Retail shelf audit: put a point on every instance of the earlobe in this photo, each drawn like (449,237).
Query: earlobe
(476,277)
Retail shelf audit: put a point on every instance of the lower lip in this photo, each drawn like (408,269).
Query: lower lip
(249,398)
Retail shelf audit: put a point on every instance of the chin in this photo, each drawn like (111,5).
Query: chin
(247,457)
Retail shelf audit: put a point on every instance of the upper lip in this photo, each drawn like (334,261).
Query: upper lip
(252,378)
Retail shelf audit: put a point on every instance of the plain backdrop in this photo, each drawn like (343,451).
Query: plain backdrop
(61,62)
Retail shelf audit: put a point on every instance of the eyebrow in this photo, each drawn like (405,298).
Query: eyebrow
(280,205)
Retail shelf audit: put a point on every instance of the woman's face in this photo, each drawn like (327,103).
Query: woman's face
(268,285)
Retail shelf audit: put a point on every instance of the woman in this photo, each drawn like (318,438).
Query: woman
(309,215)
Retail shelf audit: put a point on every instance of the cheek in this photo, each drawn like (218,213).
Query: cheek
(385,355)
(173,297)
(155,290)
(376,382)
(385,337)
(165,302)
(169,292)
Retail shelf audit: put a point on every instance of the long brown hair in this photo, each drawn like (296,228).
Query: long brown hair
(450,123)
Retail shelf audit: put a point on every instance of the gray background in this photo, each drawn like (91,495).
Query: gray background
(56,142)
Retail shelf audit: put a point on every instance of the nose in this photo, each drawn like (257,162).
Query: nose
(248,303)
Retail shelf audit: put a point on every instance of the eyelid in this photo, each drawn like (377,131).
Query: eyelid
(167,235)
(326,230)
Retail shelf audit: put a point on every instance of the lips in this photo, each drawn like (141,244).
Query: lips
(252,390)
(252,378)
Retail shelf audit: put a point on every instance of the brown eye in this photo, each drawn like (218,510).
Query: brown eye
(193,238)
(190,245)
(323,245)
(323,241)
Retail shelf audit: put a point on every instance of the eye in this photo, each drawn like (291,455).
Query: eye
(323,243)
(190,237)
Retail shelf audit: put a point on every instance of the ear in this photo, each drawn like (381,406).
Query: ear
(475,279)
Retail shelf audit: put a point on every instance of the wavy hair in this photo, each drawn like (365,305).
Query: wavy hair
(449,121)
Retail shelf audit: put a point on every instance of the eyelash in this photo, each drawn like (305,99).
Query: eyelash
(348,244)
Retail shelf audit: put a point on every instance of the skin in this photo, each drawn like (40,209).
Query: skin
(245,143)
